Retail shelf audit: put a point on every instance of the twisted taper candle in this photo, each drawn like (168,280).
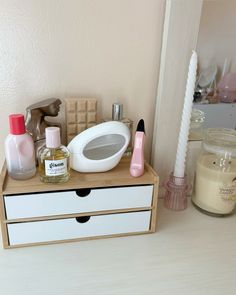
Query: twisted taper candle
(186,115)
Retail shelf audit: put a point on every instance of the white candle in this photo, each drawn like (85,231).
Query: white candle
(186,115)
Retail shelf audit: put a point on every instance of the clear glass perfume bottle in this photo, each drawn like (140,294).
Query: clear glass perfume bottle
(117,115)
(196,125)
(54,158)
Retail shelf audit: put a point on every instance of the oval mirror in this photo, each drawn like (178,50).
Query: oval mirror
(104,146)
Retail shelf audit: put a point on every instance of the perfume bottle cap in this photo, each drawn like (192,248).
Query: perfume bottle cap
(117,111)
(17,124)
(53,137)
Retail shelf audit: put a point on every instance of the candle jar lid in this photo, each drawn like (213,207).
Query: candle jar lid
(220,141)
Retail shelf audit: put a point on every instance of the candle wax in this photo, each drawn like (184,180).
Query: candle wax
(186,116)
(215,189)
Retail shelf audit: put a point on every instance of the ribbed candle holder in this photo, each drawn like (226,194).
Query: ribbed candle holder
(176,193)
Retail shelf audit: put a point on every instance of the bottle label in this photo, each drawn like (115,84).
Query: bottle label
(55,167)
(228,192)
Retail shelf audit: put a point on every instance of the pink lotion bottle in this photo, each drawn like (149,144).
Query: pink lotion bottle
(19,150)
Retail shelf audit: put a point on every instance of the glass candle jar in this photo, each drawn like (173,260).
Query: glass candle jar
(196,125)
(215,179)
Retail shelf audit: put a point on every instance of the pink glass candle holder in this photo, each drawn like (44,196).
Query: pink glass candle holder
(176,193)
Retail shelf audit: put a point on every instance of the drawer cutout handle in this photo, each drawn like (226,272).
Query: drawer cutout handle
(83,192)
(82,219)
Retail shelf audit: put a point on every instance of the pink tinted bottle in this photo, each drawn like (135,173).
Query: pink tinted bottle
(19,150)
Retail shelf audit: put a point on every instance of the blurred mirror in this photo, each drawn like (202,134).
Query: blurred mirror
(104,146)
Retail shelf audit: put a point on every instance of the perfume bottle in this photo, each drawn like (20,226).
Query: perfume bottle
(117,115)
(19,149)
(54,158)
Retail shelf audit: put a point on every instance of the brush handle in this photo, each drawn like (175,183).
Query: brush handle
(137,160)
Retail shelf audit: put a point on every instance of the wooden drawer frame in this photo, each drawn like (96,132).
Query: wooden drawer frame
(117,177)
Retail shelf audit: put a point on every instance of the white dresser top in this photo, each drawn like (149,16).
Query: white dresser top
(191,253)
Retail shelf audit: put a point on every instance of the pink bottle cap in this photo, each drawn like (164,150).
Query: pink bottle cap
(53,137)
(17,124)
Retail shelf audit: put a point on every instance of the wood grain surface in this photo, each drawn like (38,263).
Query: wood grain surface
(116,177)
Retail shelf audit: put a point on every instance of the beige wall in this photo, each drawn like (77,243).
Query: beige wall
(217,37)
(61,48)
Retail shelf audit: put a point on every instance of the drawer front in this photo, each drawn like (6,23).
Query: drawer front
(79,201)
(72,228)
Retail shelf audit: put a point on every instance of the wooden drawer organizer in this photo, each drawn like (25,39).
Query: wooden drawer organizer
(88,206)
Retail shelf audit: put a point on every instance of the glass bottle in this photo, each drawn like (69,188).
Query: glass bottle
(54,158)
(196,125)
(117,115)
(194,145)
(215,178)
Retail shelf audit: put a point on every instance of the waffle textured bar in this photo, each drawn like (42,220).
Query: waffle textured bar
(81,113)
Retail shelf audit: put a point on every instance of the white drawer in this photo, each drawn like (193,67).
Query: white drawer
(69,202)
(64,229)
